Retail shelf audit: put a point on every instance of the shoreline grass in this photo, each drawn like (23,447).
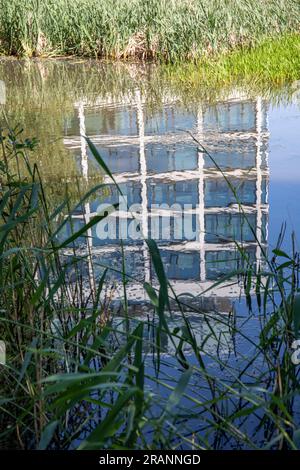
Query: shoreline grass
(162,30)
(273,62)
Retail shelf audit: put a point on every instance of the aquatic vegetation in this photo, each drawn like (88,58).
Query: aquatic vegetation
(167,30)
(84,369)
(80,375)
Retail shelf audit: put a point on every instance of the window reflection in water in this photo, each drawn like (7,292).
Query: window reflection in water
(155,162)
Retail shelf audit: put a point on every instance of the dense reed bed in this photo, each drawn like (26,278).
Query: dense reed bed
(79,375)
(167,30)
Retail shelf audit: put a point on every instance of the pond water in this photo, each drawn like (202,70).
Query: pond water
(144,127)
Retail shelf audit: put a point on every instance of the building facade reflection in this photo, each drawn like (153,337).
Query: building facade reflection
(156,163)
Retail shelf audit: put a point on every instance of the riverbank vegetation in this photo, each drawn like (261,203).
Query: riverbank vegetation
(165,30)
(80,374)
(273,62)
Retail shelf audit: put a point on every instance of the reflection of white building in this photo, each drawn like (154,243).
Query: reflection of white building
(155,162)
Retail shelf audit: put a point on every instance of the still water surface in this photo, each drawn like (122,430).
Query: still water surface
(142,126)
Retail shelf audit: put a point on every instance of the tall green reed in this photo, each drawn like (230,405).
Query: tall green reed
(78,376)
(162,29)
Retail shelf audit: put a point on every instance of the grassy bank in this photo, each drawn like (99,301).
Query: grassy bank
(273,62)
(79,376)
(167,30)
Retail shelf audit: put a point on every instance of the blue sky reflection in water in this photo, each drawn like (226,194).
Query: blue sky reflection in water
(284,162)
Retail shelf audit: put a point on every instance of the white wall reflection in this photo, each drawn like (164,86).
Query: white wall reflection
(156,163)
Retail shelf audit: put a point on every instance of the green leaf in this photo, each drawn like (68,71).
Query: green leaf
(47,435)
(278,252)
(101,162)
(296,438)
(151,294)
(87,226)
(27,360)
(110,425)
(177,393)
